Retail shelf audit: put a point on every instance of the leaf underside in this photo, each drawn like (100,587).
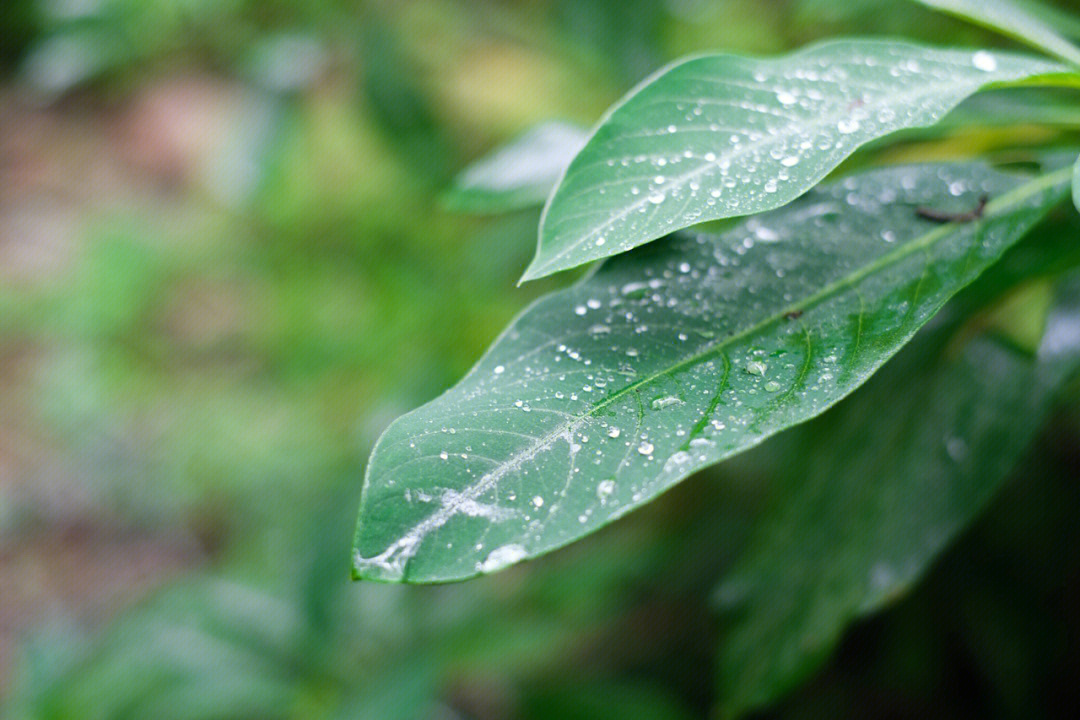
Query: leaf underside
(671,358)
(726,135)
(917,453)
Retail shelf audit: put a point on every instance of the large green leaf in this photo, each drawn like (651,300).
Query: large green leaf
(520,174)
(853,527)
(671,358)
(726,135)
(1020,20)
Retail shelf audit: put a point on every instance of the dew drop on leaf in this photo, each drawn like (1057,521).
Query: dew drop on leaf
(501,557)
(984,61)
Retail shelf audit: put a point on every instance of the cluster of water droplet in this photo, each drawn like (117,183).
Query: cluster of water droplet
(668,360)
(740,135)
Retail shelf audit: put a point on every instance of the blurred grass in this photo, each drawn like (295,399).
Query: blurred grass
(223,271)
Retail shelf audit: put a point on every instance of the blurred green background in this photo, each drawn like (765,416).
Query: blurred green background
(224,270)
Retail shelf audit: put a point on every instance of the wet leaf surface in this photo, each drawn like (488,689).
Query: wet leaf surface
(727,135)
(603,395)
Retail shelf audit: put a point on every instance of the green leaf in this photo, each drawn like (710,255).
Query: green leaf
(603,395)
(518,175)
(1064,22)
(726,135)
(875,496)
(1015,19)
(1016,106)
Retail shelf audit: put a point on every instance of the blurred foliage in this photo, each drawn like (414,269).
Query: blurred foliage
(236,273)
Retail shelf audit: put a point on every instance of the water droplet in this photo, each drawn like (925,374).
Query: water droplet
(766,234)
(502,557)
(613,432)
(882,576)
(645,448)
(677,462)
(662,402)
(499,369)
(785,98)
(957,448)
(847,126)
(538,501)
(984,61)
(756,367)
(604,489)
(772,386)
(444,455)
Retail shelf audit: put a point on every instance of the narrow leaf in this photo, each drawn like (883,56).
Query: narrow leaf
(882,485)
(726,135)
(1015,19)
(520,174)
(601,396)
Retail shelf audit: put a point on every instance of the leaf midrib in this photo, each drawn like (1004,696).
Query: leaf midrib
(1014,196)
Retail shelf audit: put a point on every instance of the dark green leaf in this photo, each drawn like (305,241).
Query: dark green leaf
(601,396)
(876,488)
(726,135)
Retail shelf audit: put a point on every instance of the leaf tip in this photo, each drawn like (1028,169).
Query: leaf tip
(535,271)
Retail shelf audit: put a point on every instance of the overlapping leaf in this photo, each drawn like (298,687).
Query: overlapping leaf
(915,455)
(671,358)
(1063,21)
(521,173)
(1020,20)
(726,135)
